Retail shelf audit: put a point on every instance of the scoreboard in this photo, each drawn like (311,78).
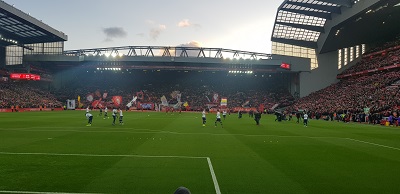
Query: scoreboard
(24,76)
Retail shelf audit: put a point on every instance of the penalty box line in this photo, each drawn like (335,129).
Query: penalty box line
(210,166)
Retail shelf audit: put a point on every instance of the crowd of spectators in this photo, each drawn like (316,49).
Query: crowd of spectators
(385,59)
(382,59)
(375,92)
(26,95)
(384,46)
(197,89)
(197,96)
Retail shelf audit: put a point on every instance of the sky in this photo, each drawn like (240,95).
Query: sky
(230,24)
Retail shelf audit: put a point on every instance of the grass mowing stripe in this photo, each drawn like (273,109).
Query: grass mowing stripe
(101,155)
(33,192)
(217,190)
(326,156)
(214,178)
(150,131)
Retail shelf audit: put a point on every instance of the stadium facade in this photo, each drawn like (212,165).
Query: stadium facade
(318,39)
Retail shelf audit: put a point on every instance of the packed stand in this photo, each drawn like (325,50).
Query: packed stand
(26,95)
(197,90)
(388,54)
(375,92)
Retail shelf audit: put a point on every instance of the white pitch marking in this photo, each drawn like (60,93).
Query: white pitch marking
(217,190)
(375,144)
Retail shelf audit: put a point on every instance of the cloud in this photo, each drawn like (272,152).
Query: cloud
(186,23)
(156,31)
(114,32)
(191,44)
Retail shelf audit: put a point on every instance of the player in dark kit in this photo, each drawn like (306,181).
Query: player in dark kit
(101,112)
(257,117)
(298,116)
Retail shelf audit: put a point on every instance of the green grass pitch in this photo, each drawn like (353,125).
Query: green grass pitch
(158,152)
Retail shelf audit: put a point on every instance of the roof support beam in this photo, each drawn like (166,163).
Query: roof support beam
(346,3)
(302,43)
(301,26)
(332,9)
(310,13)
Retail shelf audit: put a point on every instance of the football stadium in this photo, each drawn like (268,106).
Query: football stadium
(318,113)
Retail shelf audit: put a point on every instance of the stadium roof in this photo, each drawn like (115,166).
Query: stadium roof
(328,25)
(300,22)
(19,28)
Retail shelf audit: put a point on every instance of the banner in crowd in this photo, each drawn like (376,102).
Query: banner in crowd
(177,105)
(186,105)
(132,101)
(140,95)
(117,100)
(97,93)
(246,104)
(71,104)
(224,102)
(79,102)
(164,101)
(215,98)
(179,97)
(146,106)
(208,99)
(89,97)
(96,103)
(261,108)
(273,107)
